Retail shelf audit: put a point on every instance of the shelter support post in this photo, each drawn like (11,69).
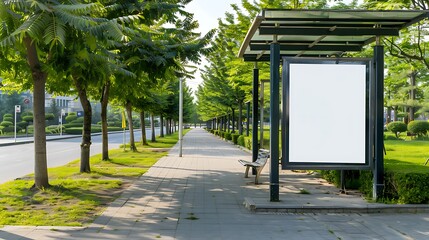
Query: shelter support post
(247,118)
(261,118)
(255,114)
(274,120)
(378,172)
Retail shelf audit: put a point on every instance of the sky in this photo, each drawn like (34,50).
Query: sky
(207,13)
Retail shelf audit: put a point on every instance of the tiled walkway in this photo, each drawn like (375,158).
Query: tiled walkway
(201,195)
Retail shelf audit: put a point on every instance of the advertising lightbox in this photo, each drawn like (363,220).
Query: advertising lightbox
(327,113)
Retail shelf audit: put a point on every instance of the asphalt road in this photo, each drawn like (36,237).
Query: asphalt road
(18,160)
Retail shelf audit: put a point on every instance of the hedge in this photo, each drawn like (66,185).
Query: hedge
(94,129)
(72,125)
(227,136)
(403,188)
(235,138)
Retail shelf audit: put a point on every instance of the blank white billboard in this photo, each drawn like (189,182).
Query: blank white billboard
(327,113)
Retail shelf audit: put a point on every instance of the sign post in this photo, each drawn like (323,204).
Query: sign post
(17,110)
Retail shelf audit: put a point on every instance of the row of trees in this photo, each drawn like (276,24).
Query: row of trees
(227,80)
(129,53)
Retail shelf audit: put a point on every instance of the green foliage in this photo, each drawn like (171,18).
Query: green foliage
(78,120)
(235,138)
(9,129)
(71,125)
(418,127)
(400,187)
(27,118)
(240,141)
(407,187)
(351,178)
(74,130)
(8,115)
(6,124)
(94,129)
(71,117)
(22,124)
(49,116)
(397,127)
(7,119)
(227,136)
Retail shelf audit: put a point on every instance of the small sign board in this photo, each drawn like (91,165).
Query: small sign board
(17,108)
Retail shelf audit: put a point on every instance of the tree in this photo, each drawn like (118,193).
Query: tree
(36,30)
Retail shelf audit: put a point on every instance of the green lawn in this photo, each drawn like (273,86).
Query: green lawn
(75,199)
(406,156)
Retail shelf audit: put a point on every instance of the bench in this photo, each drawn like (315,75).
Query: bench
(258,165)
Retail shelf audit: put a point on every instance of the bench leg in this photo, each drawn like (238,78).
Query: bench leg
(258,173)
(246,174)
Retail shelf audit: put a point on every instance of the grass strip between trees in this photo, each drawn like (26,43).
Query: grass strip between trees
(75,199)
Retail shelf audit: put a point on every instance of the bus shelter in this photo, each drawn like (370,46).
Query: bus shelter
(321,86)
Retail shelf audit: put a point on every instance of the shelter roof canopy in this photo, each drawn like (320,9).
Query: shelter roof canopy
(321,33)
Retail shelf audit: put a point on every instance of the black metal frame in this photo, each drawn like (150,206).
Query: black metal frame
(369,119)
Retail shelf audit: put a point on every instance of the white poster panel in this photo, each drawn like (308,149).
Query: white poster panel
(327,112)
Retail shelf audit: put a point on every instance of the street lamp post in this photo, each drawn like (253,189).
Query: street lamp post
(17,110)
(180,116)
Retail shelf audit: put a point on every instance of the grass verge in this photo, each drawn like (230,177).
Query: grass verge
(75,199)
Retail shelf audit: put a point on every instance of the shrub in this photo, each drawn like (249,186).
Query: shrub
(8,119)
(8,115)
(30,129)
(49,116)
(71,118)
(28,118)
(240,140)
(71,125)
(6,124)
(113,129)
(406,188)
(235,138)
(248,142)
(227,136)
(22,124)
(9,129)
(222,134)
(397,128)
(418,127)
(78,120)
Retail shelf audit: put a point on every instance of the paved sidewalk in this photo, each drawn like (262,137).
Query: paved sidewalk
(201,195)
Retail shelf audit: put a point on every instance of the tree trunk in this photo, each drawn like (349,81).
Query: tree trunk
(167,126)
(130,126)
(233,121)
(143,127)
(104,130)
(161,125)
(395,114)
(85,146)
(240,118)
(39,80)
(412,109)
(152,126)
(388,116)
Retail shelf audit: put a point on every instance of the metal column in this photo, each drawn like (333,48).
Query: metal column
(255,114)
(247,118)
(378,180)
(274,119)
